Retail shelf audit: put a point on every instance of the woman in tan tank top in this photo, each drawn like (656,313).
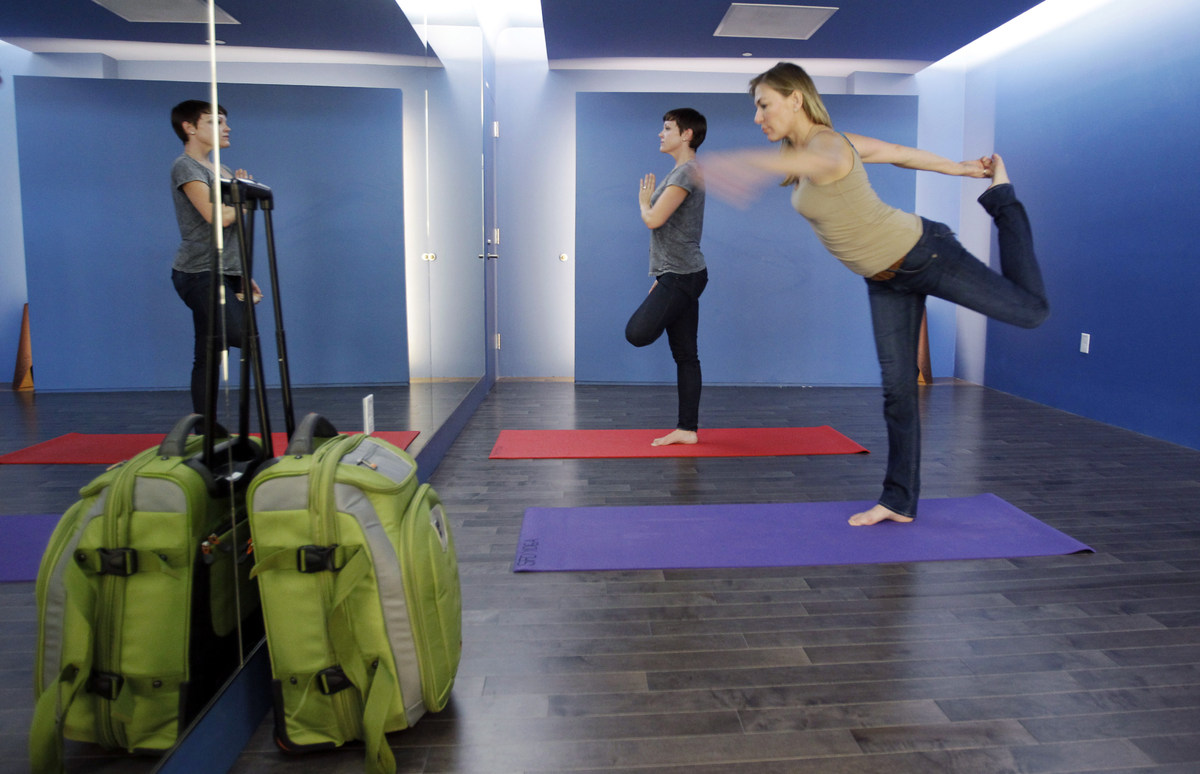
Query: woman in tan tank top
(902,257)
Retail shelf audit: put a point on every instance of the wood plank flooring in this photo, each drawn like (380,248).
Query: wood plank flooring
(1086,663)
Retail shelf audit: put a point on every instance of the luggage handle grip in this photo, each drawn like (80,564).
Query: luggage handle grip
(312,427)
(175,443)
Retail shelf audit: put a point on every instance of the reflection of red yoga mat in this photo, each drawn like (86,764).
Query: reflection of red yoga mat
(714,442)
(107,448)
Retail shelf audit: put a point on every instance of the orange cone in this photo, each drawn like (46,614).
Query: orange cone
(23,375)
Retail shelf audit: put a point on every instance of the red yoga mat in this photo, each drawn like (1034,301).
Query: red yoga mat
(714,442)
(107,448)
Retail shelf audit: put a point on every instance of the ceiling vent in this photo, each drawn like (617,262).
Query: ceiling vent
(759,20)
(175,11)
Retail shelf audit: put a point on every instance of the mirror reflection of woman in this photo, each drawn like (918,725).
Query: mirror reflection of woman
(673,210)
(192,178)
(902,257)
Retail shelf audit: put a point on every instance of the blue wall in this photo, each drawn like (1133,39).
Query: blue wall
(100,229)
(1099,120)
(778,308)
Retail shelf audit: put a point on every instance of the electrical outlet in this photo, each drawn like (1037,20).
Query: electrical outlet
(1085,342)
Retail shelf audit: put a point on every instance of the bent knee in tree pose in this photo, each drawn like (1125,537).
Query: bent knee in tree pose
(673,210)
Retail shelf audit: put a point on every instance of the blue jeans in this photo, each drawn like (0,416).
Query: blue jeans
(939,266)
(673,305)
(194,290)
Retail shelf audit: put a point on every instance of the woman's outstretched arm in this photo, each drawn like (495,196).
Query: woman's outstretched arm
(873,151)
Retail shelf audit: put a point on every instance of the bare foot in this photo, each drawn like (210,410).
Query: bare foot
(676,436)
(876,515)
(999,175)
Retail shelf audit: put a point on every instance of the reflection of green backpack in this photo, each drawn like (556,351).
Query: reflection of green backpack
(360,591)
(137,605)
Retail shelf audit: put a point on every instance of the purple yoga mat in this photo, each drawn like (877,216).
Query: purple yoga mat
(777,535)
(24,541)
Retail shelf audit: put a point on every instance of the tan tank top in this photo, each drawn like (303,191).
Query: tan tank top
(854,224)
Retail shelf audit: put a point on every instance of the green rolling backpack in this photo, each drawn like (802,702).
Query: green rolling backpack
(360,591)
(139,595)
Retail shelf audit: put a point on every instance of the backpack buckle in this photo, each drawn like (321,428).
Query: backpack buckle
(310,559)
(106,685)
(333,680)
(121,562)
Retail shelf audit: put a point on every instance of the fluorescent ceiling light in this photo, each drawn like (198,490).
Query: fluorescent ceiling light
(175,11)
(490,15)
(759,20)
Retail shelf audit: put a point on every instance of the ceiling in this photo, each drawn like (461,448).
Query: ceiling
(369,26)
(923,30)
(920,30)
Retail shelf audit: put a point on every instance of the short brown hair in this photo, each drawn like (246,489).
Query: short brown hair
(687,118)
(190,111)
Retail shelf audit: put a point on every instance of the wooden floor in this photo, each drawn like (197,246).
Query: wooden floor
(1085,663)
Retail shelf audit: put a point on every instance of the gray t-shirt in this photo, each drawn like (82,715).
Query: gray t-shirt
(675,245)
(195,251)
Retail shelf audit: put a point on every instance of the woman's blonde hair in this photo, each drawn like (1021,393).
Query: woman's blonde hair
(787,78)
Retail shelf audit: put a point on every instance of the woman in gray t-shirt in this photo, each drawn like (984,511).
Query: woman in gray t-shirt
(192,179)
(673,210)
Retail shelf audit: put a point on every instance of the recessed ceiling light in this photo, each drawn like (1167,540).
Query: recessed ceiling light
(175,11)
(759,20)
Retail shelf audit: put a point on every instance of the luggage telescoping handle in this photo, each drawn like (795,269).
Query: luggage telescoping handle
(285,377)
(249,190)
(244,196)
(250,193)
(256,195)
(175,444)
(312,427)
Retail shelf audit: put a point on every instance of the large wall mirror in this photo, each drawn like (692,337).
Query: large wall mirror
(446,291)
(365,120)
